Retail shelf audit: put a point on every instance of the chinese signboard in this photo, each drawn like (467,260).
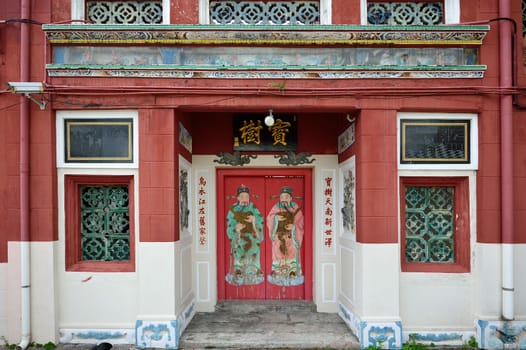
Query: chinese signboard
(251,133)
(98,140)
(434,141)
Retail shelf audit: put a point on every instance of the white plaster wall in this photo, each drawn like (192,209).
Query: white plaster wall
(325,263)
(487,276)
(377,281)
(42,291)
(3,299)
(370,280)
(431,301)
(97,300)
(157,285)
(13,292)
(520,281)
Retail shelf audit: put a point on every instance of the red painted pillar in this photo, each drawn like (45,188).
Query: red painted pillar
(506,139)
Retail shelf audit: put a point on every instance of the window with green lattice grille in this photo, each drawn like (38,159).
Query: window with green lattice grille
(99,214)
(105,223)
(124,12)
(405,13)
(429,224)
(435,224)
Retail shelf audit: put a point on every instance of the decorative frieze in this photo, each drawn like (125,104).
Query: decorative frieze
(462,73)
(284,52)
(267,35)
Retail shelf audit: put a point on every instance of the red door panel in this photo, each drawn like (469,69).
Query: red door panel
(264,245)
(244,237)
(285,223)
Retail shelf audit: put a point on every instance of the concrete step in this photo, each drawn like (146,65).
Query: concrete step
(267,324)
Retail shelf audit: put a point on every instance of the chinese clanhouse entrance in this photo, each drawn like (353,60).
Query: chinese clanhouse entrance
(264,245)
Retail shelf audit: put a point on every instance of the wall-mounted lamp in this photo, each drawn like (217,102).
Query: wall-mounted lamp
(269,119)
(349,119)
(26,89)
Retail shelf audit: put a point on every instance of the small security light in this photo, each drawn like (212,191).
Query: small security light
(269,119)
(27,88)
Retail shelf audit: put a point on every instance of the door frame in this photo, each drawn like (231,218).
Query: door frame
(306,173)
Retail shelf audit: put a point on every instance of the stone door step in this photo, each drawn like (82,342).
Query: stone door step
(267,325)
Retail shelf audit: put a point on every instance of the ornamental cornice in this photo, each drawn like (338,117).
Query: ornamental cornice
(266,35)
(447,73)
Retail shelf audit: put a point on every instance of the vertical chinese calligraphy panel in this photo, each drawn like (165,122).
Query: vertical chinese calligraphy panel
(328,187)
(202,210)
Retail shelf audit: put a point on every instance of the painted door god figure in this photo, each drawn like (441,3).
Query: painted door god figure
(245,231)
(285,223)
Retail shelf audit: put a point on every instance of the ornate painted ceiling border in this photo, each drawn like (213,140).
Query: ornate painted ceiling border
(465,72)
(266,35)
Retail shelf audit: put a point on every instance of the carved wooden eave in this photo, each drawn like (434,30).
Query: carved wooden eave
(234,39)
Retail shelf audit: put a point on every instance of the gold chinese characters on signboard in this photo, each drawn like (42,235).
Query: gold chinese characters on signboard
(251,133)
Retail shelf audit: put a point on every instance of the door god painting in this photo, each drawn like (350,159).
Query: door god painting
(285,224)
(245,231)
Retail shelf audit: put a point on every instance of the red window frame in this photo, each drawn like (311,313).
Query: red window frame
(462,225)
(74,262)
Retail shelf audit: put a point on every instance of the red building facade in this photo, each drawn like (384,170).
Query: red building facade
(401,143)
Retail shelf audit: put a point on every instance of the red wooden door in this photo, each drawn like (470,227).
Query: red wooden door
(264,234)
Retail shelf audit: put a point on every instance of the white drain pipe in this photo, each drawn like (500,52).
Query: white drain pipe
(508,286)
(25,296)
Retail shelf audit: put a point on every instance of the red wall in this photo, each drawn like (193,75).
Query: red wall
(376,177)
(318,130)
(158,184)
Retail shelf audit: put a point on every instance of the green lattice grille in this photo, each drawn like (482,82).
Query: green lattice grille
(105,223)
(429,224)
